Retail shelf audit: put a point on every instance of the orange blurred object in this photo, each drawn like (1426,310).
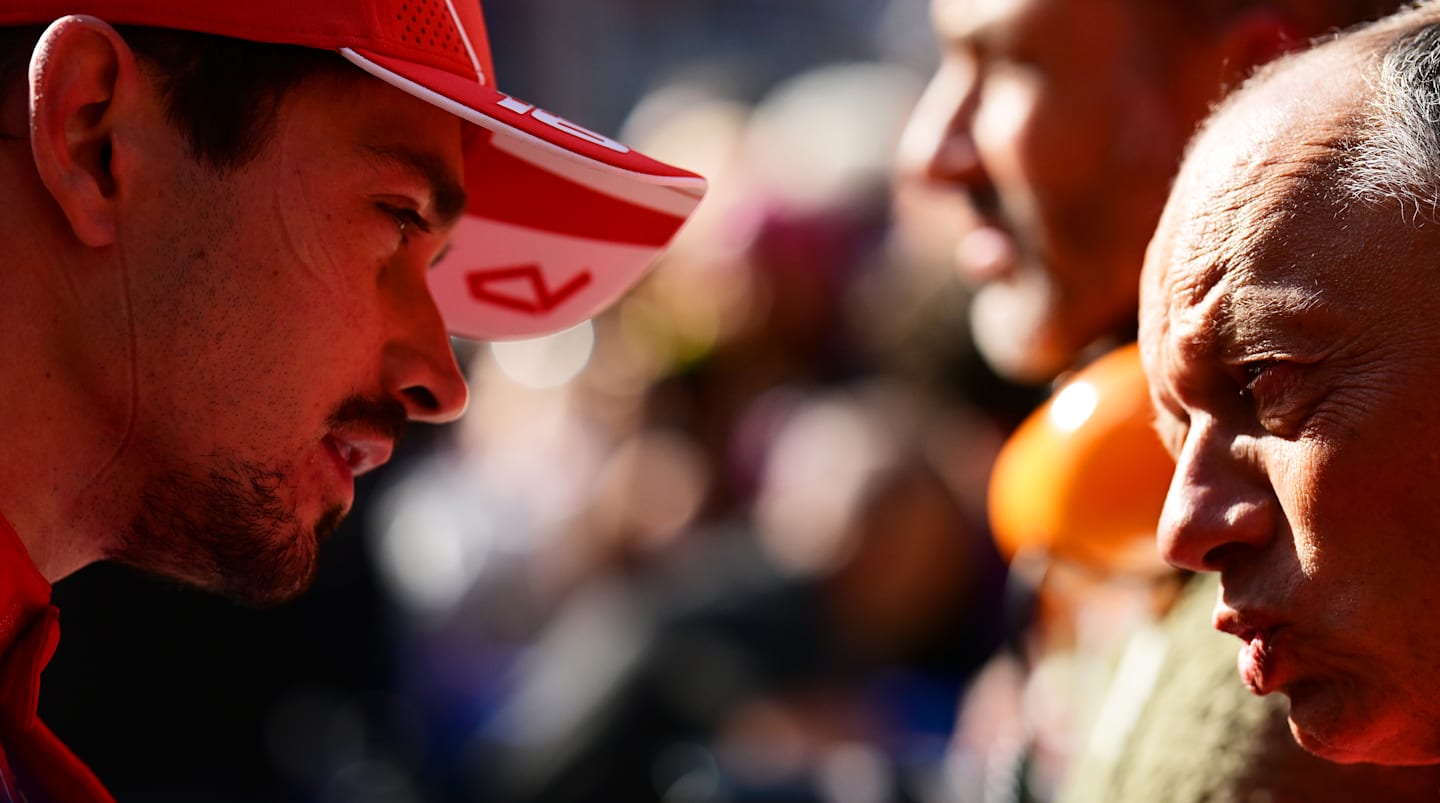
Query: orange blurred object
(1083,479)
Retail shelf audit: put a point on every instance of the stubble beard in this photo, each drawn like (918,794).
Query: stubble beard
(226,529)
(225,526)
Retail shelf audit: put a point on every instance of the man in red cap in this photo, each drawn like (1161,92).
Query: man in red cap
(237,238)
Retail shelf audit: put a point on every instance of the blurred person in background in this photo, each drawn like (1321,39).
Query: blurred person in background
(1047,140)
(1045,144)
(181,191)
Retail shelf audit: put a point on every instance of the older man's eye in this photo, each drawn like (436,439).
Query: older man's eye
(1252,375)
(1271,386)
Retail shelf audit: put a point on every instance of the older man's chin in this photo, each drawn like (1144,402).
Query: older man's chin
(1349,732)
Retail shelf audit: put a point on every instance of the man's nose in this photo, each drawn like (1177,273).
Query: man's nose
(419,366)
(1220,500)
(938,144)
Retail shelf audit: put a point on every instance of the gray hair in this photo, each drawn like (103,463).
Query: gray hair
(1395,158)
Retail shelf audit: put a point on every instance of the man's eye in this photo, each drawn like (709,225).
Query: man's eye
(1270,381)
(406,220)
(1274,389)
(1254,374)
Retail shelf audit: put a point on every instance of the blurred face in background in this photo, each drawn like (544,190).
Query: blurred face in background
(1050,131)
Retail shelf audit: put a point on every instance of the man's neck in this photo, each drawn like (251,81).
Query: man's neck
(58,470)
(64,395)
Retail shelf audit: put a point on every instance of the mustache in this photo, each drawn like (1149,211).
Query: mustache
(381,415)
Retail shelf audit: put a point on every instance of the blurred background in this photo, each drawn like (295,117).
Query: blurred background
(727,542)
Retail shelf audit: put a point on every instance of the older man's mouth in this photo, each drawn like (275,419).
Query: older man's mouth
(1258,664)
(1254,660)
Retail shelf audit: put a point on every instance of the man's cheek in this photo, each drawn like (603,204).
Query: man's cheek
(318,244)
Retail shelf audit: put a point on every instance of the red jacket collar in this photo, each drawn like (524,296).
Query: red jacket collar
(29,633)
(29,629)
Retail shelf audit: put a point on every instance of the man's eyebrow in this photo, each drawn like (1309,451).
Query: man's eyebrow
(447,194)
(1268,301)
(1252,314)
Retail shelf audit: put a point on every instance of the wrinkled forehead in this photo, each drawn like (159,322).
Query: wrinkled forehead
(1257,195)
(1239,225)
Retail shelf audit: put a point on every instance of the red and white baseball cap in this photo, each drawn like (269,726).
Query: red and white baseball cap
(561,220)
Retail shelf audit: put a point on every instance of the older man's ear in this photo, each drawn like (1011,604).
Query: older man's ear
(85,88)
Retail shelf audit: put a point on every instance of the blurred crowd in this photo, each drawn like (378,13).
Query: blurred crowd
(716,544)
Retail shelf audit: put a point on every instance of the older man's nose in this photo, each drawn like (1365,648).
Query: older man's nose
(1219,502)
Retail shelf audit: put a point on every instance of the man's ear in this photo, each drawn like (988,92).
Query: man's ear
(1256,36)
(83,78)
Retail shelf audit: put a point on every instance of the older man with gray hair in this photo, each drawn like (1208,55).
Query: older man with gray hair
(1289,333)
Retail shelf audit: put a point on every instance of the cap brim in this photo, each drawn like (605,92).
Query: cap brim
(560,221)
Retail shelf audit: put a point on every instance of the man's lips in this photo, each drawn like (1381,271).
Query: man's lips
(359,451)
(1258,665)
